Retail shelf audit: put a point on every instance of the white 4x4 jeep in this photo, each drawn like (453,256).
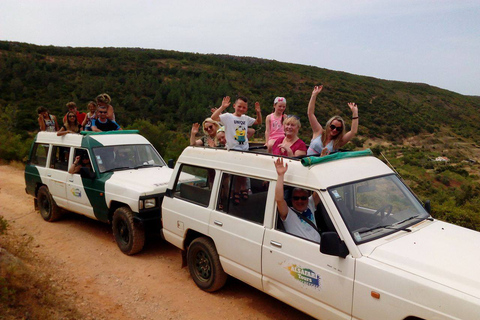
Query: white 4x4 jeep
(124,185)
(381,255)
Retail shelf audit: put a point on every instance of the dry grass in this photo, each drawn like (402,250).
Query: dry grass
(26,288)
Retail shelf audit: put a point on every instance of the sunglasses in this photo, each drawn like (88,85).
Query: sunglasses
(102,111)
(300,198)
(333,127)
(293,116)
(208,128)
(72,116)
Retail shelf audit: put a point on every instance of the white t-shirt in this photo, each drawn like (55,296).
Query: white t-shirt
(296,226)
(236,130)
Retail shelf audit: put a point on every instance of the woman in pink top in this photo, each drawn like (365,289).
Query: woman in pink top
(274,122)
(290,145)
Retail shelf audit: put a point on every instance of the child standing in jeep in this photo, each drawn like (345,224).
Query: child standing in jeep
(236,124)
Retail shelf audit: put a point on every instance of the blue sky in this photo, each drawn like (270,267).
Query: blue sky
(434,42)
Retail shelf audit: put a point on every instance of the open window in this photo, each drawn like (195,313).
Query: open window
(59,158)
(86,168)
(316,214)
(196,185)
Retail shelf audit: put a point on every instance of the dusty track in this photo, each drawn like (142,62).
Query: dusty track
(85,262)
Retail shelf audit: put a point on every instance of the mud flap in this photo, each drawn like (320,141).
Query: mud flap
(184,258)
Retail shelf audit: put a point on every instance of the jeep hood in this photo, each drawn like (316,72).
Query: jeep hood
(441,252)
(142,180)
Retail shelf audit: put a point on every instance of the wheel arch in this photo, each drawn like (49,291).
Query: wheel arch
(114,205)
(192,235)
(38,186)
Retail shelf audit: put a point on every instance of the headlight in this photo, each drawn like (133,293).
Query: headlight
(147,203)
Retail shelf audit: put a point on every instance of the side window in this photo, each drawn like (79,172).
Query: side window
(59,158)
(85,160)
(243,197)
(194,184)
(301,203)
(39,154)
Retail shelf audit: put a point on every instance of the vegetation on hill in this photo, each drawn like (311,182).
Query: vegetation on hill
(162,93)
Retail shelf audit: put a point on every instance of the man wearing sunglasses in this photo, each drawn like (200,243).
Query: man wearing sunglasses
(102,123)
(303,208)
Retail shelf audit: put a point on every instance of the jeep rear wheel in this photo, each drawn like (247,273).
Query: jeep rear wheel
(204,265)
(48,208)
(130,236)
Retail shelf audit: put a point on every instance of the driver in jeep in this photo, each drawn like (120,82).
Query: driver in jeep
(299,219)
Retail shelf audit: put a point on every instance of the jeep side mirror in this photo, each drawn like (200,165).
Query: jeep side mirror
(171,163)
(332,245)
(427,206)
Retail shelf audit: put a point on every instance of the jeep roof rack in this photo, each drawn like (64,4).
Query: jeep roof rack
(312,160)
(92,133)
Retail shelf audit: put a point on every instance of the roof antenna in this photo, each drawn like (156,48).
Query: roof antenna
(389,164)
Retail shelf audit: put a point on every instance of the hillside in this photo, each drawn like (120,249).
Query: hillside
(179,88)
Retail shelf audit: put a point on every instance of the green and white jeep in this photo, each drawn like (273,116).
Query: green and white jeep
(122,181)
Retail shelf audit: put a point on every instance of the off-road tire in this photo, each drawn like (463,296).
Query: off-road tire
(130,236)
(46,205)
(204,265)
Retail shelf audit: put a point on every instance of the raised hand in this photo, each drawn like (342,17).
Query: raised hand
(281,169)
(195,127)
(257,107)
(225,102)
(353,106)
(317,90)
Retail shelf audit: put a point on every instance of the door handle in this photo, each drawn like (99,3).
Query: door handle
(218,223)
(70,180)
(49,175)
(275,244)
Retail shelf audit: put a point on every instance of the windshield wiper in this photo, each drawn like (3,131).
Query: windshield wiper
(391,226)
(147,166)
(385,227)
(118,168)
(408,219)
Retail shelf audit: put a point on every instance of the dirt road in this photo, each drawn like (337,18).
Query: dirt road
(84,261)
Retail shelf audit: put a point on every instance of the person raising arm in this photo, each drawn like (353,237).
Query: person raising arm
(333,136)
(302,205)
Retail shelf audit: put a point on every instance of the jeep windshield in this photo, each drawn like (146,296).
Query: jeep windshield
(125,157)
(377,207)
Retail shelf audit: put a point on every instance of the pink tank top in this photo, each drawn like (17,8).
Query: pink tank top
(276,127)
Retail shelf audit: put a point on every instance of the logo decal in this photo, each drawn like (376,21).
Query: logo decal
(305,276)
(76,192)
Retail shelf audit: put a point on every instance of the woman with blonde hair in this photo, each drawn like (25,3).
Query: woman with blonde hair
(209,127)
(333,137)
(289,145)
(71,125)
(104,99)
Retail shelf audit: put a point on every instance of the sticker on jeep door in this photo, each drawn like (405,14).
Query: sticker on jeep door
(76,192)
(305,276)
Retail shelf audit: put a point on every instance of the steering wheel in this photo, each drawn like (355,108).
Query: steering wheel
(384,212)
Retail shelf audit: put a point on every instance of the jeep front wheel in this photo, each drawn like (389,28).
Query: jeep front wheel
(204,265)
(130,236)
(48,208)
